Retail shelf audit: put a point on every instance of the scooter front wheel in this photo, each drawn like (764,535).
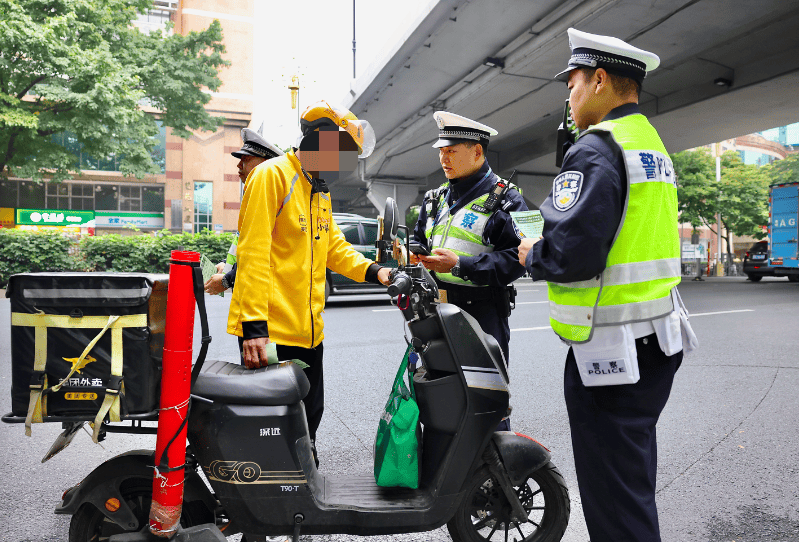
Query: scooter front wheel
(484,514)
(90,525)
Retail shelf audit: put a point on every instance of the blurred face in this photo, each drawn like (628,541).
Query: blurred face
(328,153)
(246,164)
(583,99)
(459,161)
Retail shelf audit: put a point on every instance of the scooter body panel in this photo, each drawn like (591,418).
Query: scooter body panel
(105,481)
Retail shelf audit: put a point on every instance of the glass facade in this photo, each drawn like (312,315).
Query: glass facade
(81,196)
(203,206)
(756,158)
(112,162)
(786,135)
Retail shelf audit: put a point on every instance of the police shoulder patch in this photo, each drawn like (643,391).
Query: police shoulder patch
(566,190)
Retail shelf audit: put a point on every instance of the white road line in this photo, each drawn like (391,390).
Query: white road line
(530,302)
(384,310)
(719,312)
(531,328)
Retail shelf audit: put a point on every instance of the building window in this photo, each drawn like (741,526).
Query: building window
(8,193)
(57,196)
(152,199)
(129,198)
(203,206)
(106,197)
(82,197)
(31,195)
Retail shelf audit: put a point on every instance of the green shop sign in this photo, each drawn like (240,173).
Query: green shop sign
(50,217)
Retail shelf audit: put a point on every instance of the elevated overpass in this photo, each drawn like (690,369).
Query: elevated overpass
(728,68)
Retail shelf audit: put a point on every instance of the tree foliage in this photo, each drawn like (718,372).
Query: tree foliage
(80,66)
(784,171)
(740,198)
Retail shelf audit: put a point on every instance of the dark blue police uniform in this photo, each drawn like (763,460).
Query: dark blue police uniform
(612,427)
(495,269)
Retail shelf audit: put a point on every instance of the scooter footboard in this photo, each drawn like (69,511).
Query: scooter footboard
(105,481)
(520,454)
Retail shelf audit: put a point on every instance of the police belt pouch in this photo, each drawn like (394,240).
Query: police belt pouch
(609,358)
(86,346)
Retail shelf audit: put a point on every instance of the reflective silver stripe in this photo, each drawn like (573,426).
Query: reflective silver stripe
(630,273)
(652,167)
(479,222)
(486,381)
(572,315)
(436,240)
(465,246)
(633,312)
(590,283)
(288,197)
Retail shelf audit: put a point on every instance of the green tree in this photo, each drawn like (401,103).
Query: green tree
(411,216)
(739,199)
(784,171)
(82,68)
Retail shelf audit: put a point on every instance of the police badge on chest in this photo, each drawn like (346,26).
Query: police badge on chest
(566,190)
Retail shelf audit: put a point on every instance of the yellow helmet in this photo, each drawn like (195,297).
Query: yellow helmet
(322,113)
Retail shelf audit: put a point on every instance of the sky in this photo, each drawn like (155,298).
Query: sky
(313,39)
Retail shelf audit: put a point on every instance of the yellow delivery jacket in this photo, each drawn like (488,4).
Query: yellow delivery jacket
(287,237)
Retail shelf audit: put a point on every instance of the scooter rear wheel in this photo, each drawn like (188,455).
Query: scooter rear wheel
(90,525)
(484,514)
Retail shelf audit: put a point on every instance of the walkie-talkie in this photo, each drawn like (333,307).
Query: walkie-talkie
(496,195)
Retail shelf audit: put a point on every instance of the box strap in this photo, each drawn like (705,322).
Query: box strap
(37,407)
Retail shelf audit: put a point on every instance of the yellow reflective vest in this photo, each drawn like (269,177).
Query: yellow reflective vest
(280,277)
(644,261)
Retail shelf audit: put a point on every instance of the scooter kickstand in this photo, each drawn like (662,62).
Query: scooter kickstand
(298,519)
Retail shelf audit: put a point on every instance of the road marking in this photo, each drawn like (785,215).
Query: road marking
(531,328)
(384,310)
(530,302)
(719,312)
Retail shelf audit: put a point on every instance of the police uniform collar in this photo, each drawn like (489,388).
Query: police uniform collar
(623,111)
(461,186)
(612,54)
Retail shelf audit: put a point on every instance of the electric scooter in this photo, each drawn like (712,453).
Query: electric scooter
(248,434)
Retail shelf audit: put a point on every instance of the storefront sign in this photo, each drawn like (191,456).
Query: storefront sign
(6,217)
(121,219)
(49,217)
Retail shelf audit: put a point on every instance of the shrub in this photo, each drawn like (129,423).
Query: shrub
(29,252)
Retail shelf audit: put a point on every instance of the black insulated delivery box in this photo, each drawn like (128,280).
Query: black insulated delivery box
(55,316)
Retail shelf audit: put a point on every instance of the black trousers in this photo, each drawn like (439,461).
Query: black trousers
(315,400)
(615,445)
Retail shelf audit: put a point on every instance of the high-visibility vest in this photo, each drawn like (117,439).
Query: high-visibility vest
(644,261)
(462,233)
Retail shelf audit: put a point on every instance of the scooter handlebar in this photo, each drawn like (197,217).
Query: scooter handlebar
(400,284)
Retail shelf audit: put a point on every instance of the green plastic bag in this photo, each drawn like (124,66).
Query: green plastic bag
(399,435)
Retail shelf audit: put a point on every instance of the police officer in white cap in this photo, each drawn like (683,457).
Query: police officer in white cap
(610,253)
(470,234)
(255,150)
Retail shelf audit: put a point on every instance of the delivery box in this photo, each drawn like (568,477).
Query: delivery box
(86,346)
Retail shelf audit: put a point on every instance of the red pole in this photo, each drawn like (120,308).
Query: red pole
(175,389)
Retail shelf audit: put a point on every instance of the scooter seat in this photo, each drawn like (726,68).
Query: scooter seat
(279,384)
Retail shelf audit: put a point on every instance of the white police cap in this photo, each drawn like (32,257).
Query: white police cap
(612,54)
(256,145)
(454,129)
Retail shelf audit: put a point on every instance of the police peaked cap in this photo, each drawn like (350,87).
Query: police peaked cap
(255,145)
(612,54)
(454,129)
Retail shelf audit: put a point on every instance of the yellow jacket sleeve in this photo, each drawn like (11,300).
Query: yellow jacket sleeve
(262,196)
(343,258)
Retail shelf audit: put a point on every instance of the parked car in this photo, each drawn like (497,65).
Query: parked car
(756,262)
(361,233)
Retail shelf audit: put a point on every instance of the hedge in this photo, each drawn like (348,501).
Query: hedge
(24,251)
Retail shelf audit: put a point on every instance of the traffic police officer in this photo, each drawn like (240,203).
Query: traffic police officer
(610,253)
(471,235)
(254,150)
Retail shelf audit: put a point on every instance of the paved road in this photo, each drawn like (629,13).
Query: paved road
(728,454)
